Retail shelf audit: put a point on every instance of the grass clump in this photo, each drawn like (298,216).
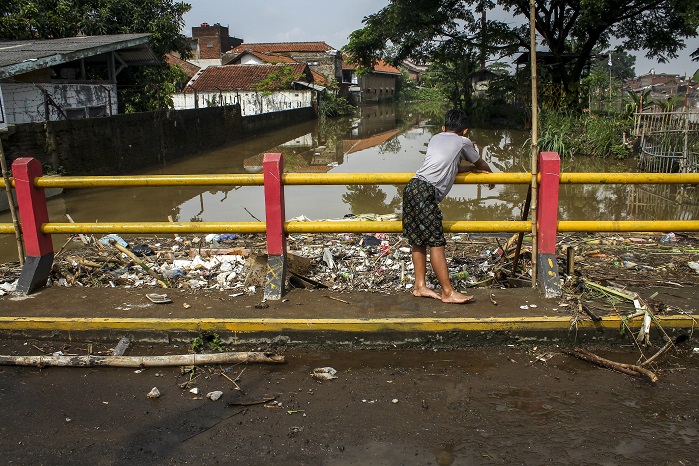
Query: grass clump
(572,134)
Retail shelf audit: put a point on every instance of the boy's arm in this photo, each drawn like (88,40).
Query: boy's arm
(479,166)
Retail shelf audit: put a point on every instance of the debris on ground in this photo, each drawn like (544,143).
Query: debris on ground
(215,395)
(324,373)
(595,269)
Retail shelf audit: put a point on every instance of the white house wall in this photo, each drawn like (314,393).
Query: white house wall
(251,103)
(25,103)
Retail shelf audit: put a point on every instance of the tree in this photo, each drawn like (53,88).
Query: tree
(141,89)
(420,29)
(622,64)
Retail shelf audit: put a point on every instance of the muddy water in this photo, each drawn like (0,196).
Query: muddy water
(379,139)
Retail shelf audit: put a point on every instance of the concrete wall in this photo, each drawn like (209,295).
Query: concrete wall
(251,102)
(377,86)
(329,63)
(25,102)
(127,143)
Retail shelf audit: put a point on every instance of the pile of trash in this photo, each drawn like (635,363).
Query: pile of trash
(349,262)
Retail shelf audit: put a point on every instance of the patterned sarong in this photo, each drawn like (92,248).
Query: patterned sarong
(422,218)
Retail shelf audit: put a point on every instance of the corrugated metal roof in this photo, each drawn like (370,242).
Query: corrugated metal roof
(23,56)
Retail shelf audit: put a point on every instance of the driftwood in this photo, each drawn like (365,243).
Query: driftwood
(143,265)
(586,310)
(142,361)
(628,369)
(669,344)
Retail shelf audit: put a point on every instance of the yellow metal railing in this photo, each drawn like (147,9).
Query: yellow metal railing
(288,179)
(76,182)
(629,178)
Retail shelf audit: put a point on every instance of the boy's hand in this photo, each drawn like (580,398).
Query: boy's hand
(490,186)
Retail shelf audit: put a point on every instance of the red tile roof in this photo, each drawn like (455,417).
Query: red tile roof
(320,79)
(189,68)
(381,67)
(280,47)
(265,57)
(240,77)
(353,145)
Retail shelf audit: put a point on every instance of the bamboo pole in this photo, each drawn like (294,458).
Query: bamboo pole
(11,203)
(143,265)
(142,361)
(535,134)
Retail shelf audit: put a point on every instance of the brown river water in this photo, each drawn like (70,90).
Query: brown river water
(378,139)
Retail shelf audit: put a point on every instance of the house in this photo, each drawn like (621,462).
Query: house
(375,86)
(242,77)
(253,57)
(480,81)
(415,71)
(237,85)
(189,69)
(210,43)
(660,85)
(67,78)
(319,56)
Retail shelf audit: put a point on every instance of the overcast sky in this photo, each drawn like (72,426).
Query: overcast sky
(332,23)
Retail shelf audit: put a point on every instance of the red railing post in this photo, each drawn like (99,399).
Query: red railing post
(273,168)
(547,224)
(33,214)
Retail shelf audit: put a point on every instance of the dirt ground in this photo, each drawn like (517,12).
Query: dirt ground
(498,405)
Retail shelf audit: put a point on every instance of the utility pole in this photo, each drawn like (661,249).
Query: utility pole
(610,81)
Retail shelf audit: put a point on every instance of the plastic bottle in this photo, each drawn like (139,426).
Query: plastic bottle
(460,275)
(669,238)
(172,273)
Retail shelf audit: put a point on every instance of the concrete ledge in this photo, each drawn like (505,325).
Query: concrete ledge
(367,332)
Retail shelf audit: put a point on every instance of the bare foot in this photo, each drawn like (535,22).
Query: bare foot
(456,298)
(424,292)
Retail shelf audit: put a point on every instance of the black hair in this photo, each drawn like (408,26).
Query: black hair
(456,120)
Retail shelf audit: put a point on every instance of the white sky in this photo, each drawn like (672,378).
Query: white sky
(332,22)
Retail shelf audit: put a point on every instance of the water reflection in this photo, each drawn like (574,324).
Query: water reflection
(379,139)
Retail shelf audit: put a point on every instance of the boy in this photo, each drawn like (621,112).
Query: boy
(422,217)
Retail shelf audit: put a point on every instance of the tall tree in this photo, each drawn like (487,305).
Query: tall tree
(148,89)
(421,28)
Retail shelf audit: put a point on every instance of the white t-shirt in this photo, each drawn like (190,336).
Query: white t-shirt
(444,152)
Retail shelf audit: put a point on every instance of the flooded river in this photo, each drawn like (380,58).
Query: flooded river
(378,139)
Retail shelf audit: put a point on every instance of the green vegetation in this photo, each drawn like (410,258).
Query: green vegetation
(278,80)
(572,134)
(140,88)
(459,38)
(332,105)
(422,94)
(208,342)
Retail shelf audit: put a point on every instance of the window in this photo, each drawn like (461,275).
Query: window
(75,113)
(93,112)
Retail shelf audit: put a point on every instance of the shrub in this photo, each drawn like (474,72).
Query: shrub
(571,134)
(334,106)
